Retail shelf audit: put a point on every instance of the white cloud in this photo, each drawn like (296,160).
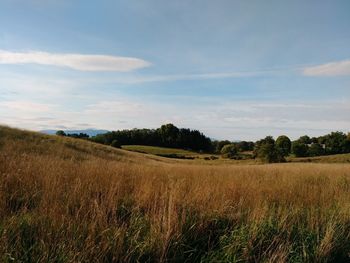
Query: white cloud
(74,61)
(340,68)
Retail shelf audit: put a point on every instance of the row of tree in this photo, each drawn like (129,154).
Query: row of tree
(275,151)
(73,135)
(333,143)
(271,150)
(267,149)
(167,135)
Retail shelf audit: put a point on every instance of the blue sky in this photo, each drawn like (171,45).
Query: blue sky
(232,69)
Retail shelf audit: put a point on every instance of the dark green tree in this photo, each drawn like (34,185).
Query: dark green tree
(60,133)
(168,134)
(245,146)
(336,142)
(284,145)
(315,149)
(299,149)
(267,151)
(304,139)
(115,144)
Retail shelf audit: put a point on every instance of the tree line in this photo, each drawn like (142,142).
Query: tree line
(167,135)
(271,150)
(267,149)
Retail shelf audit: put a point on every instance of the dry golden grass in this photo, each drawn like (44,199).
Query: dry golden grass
(67,200)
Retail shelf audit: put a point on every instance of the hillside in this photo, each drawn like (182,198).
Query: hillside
(20,142)
(70,200)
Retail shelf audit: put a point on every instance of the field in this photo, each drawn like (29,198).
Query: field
(161,151)
(69,200)
(183,154)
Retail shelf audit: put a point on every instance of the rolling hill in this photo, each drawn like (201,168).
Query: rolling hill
(71,200)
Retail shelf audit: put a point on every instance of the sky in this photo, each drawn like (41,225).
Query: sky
(237,70)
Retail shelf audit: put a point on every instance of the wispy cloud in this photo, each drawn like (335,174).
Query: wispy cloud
(339,68)
(25,106)
(80,62)
(137,79)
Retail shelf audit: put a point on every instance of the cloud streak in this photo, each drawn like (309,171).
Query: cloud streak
(137,79)
(80,62)
(339,68)
(25,106)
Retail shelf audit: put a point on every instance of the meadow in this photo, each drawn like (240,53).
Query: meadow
(70,200)
(162,151)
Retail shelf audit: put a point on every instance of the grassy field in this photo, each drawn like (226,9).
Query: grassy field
(158,150)
(69,200)
(163,151)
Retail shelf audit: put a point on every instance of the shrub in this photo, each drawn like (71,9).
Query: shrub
(115,144)
(229,151)
(61,133)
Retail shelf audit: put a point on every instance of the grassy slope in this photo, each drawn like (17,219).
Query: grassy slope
(27,142)
(67,200)
(158,150)
(196,158)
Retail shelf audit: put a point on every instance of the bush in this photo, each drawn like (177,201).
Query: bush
(115,144)
(60,133)
(229,151)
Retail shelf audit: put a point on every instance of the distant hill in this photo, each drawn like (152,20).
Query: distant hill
(90,132)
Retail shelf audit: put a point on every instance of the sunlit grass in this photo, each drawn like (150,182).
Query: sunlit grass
(66,200)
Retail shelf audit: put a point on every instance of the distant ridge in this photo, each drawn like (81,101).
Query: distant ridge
(90,132)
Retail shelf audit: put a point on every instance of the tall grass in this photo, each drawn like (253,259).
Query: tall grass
(61,203)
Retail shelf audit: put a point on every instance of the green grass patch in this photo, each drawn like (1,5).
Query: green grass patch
(158,150)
